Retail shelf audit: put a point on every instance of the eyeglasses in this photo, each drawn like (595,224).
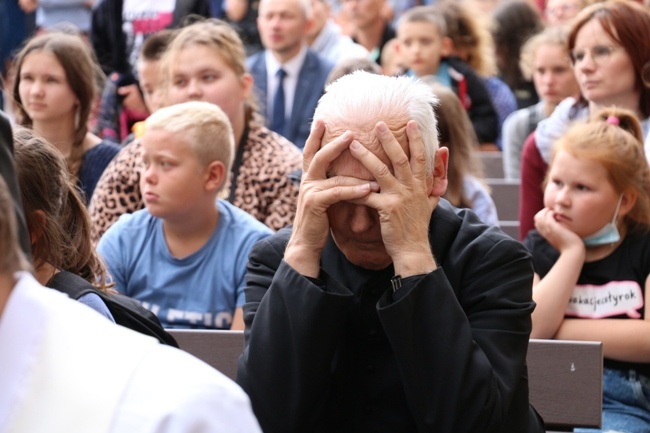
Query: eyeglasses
(600,54)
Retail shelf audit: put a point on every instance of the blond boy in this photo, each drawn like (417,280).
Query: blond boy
(184,256)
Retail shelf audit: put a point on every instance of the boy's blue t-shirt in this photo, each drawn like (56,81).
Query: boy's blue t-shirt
(198,291)
(442,75)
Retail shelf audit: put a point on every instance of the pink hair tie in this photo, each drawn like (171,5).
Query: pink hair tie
(613,120)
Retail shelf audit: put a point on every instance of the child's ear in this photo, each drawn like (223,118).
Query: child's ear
(447,47)
(247,82)
(215,176)
(628,200)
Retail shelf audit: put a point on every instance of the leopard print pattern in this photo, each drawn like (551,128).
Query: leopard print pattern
(117,191)
(263,187)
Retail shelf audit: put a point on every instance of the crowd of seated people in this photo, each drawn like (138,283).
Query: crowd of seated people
(268,166)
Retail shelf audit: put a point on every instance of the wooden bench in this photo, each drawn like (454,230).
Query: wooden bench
(492,164)
(566,382)
(505,194)
(220,349)
(565,377)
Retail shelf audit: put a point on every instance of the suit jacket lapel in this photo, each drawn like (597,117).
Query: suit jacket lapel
(303,89)
(258,71)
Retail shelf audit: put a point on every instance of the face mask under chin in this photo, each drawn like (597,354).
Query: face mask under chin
(608,234)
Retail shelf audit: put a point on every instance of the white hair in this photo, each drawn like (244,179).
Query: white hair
(362,97)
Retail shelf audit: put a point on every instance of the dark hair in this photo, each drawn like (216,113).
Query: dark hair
(514,22)
(56,216)
(470,35)
(155,45)
(81,71)
(12,258)
(627,23)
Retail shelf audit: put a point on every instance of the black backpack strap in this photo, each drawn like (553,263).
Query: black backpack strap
(125,311)
(129,313)
(72,285)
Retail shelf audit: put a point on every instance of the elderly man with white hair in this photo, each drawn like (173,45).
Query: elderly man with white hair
(384,308)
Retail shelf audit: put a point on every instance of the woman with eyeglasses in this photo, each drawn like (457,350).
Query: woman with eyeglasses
(608,44)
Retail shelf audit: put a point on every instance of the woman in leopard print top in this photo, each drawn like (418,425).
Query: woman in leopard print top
(208,58)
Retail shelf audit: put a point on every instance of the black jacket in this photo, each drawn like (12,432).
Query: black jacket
(445,354)
(109,41)
(473,94)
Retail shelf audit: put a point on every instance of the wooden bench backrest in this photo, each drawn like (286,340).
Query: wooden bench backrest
(565,377)
(566,382)
(220,349)
(505,194)
(492,164)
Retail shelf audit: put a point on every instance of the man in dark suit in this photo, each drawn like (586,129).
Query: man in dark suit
(8,172)
(283,25)
(384,308)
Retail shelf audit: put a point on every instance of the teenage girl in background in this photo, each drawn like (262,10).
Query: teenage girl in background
(545,60)
(591,254)
(54,90)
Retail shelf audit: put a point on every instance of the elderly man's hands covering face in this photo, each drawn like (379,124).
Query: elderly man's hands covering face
(376,218)
(317,194)
(405,200)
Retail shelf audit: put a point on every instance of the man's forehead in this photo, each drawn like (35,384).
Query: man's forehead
(346,164)
(365,134)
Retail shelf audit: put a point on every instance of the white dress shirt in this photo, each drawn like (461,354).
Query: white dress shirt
(65,368)
(292,69)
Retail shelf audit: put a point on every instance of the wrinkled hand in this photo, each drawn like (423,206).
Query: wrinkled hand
(132,99)
(560,237)
(404,203)
(317,193)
